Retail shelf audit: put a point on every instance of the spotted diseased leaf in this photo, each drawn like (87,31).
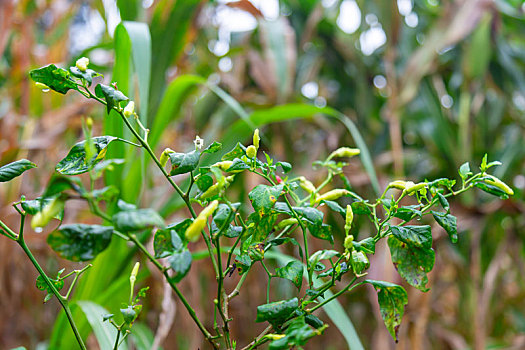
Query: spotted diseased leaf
(14,169)
(263,198)
(182,163)
(414,236)
(277,312)
(87,75)
(237,152)
(293,271)
(360,208)
(111,95)
(213,148)
(412,263)
(76,161)
(204,182)
(180,263)
(449,223)
(57,79)
(137,219)
(166,242)
(322,232)
(392,300)
(80,242)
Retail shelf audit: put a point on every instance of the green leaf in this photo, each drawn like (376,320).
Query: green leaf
(180,263)
(42,285)
(112,96)
(408,212)
(76,161)
(237,152)
(464,171)
(443,201)
(14,169)
(213,148)
(293,271)
(415,236)
(184,162)
(263,197)
(107,193)
(238,165)
(448,183)
(167,242)
(57,79)
(80,242)
(60,183)
(88,75)
(137,219)
(335,207)
(449,223)
(359,262)
(411,262)
(34,206)
(367,245)
(297,334)
(392,300)
(277,312)
(313,321)
(285,165)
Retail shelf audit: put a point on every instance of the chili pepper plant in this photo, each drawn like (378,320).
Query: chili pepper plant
(284,210)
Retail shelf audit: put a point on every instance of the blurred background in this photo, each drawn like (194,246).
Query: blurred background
(428,84)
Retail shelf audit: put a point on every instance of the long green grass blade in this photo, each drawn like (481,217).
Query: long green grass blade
(105,332)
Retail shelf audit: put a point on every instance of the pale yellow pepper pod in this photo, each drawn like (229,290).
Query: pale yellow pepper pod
(193,231)
(306,185)
(494,181)
(332,195)
(344,152)
(399,184)
(412,188)
(349,218)
(134,273)
(165,156)
(256,139)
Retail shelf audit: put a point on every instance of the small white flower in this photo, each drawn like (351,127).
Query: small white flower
(198,142)
(82,64)
(130,109)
